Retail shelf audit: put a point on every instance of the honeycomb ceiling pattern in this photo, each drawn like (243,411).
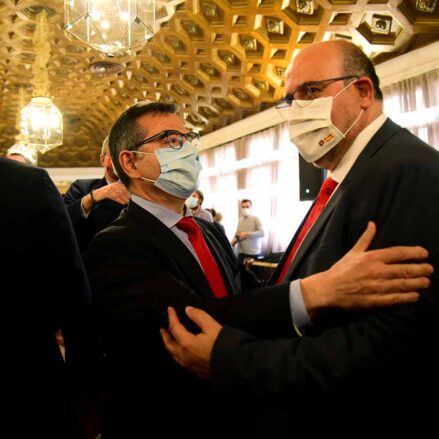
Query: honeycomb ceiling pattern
(219,60)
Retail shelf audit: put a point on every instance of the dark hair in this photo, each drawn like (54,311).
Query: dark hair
(125,132)
(356,62)
(212,211)
(200,196)
(246,201)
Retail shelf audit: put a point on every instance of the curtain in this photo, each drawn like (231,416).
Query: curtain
(414,104)
(263,167)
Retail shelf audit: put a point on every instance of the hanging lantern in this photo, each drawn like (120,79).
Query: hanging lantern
(29,153)
(42,124)
(111,26)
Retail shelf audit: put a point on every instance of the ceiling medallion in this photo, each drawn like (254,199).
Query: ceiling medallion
(104,68)
(274,25)
(381,24)
(228,58)
(210,10)
(428,6)
(305,7)
(249,43)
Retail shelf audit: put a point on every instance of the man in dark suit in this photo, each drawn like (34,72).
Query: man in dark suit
(148,260)
(371,371)
(94,204)
(45,289)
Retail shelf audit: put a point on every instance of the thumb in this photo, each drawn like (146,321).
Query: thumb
(201,318)
(365,239)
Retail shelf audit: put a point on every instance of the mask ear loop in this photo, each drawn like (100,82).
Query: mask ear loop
(347,86)
(355,121)
(146,153)
(361,111)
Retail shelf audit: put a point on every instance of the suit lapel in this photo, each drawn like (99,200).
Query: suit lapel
(220,258)
(179,259)
(314,232)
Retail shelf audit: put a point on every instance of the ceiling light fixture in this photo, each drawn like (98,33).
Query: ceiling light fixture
(111,26)
(41,121)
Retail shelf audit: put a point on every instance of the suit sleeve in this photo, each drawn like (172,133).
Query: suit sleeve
(134,286)
(72,200)
(378,345)
(67,285)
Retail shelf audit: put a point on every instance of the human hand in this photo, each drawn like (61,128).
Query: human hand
(242,235)
(115,191)
(189,350)
(367,279)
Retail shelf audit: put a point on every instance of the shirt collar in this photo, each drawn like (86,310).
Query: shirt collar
(167,216)
(351,155)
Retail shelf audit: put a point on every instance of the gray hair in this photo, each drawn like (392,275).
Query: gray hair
(104,148)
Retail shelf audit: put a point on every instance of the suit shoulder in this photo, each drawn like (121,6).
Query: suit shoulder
(87,183)
(205,224)
(121,231)
(405,146)
(19,176)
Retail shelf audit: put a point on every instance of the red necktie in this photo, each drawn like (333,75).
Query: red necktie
(326,190)
(210,267)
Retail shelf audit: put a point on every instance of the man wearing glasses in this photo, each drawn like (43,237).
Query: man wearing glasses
(156,255)
(350,374)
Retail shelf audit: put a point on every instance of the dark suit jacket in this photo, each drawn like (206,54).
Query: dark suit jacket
(138,268)
(44,288)
(101,215)
(375,369)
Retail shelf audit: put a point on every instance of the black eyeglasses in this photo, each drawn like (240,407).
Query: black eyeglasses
(308,91)
(174,139)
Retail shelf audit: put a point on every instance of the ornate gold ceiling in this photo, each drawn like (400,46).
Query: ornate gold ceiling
(219,60)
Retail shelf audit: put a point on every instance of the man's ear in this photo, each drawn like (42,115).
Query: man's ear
(127,161)
(366,91)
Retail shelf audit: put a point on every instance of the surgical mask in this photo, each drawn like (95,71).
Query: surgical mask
(246,211)
(191,202)
(311,128)
(179,170)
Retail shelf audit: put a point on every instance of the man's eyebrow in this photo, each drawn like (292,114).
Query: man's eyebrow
(308,83)
(305,84)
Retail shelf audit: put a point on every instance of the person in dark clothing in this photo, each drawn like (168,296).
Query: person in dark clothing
(93,204)
(45,290)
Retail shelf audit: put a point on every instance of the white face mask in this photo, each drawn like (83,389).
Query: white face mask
(246,211)
(191,202)
(311,128)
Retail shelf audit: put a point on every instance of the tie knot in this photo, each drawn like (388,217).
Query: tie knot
(328,187)
(188,225)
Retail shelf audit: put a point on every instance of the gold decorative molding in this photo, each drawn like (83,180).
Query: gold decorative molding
(219,60)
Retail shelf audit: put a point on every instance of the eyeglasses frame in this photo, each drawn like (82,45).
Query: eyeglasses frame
(164,133)
(288,100)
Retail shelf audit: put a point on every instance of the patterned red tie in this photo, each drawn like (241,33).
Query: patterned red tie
(326,191)
(210,267)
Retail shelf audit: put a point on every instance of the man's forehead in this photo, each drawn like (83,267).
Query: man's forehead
(313,65)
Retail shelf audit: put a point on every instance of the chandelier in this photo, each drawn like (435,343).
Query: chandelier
(41,121)
(111,26)
(20,147)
